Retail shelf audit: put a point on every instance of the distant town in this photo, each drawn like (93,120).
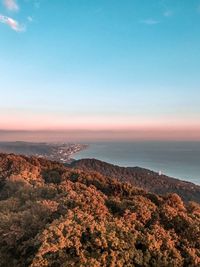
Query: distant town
(64,152)
(61,152)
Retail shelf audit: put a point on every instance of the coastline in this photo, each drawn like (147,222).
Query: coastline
(173,159)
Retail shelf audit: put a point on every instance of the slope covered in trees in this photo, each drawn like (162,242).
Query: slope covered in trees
(53,216)
(140,177)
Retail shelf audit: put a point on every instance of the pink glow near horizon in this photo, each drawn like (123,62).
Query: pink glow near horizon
(105,127)
(87,136)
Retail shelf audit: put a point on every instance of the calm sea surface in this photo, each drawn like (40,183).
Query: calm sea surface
(176,159)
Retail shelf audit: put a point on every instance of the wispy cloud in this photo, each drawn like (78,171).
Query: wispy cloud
(37,4)
(13,24)
(30,19)
(168,13)
(11,5)
(150,21)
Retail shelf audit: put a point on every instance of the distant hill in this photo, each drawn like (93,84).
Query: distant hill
(140,177)
(54,216)
(61,152)
(27,148)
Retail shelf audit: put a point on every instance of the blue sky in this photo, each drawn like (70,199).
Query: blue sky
(99,64)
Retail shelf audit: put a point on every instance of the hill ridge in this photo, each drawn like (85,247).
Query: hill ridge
(52,215)
(141,177)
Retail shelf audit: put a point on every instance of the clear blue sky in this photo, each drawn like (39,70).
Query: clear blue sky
(82,63)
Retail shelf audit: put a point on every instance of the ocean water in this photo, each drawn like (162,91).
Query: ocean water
(176,159)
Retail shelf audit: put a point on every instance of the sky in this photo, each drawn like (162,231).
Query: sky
(109,66)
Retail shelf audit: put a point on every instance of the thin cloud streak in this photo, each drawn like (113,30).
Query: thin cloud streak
(168,13)
(13,24)
(30,19)
(11,5)
(150,21)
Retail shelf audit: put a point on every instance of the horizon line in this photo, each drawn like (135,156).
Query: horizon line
(87,135)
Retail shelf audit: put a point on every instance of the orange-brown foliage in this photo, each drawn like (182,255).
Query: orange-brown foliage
(54,216)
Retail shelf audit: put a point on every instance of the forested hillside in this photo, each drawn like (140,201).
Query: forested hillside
(51,215)
(140,177)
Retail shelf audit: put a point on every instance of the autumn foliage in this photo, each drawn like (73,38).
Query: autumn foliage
(144,178)
(54,216)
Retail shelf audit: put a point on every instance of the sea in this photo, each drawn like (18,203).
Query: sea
(175,159)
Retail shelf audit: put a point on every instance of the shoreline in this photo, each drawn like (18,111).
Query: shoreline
(179,160)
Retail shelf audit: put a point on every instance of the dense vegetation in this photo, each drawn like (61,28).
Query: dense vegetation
(54,216)
(140,177)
